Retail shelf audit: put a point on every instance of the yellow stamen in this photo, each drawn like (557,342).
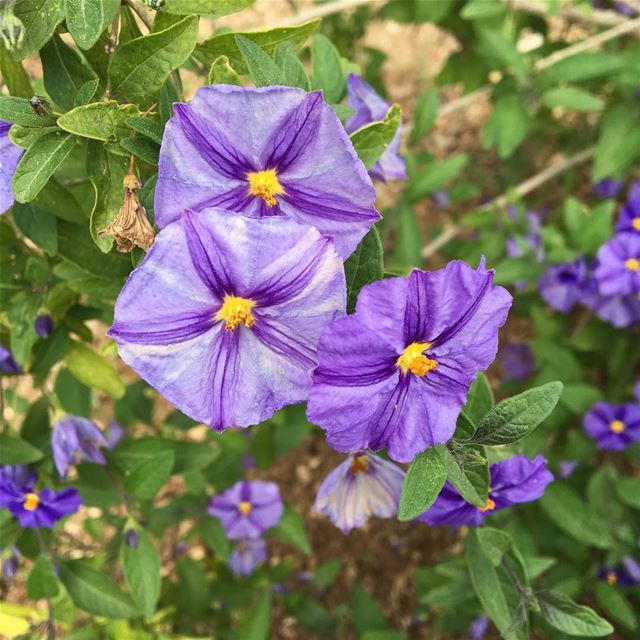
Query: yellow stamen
(612,578)
(236,311)
(244,508)
(413,360)
(31,501)
(632,264)
(489,506)
(617,426)
(635,223)
(265,185)
(359,465)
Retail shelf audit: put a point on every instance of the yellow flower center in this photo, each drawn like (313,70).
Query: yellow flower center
(244,508)
(635,223)
(632,264)
(612,578)
(359,465)
(617,426)
(265,185)
(412,359)
(31,501)
(236,311)
(489,506)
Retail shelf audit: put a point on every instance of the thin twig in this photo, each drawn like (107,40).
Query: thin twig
(321,11)
(141,12)
(604,18)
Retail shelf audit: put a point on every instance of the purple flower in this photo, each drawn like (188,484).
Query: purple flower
(563,284)
(518,479)
(224,314)
(478,628)
(247,555)
(608,188)
(618,310)
(629,219)
(371,107)
(364,485)
(623,8)
(441,199)
(10,155)
(7,362)
(517,360)
(44,325)
(247,509)
(36,509)
(632,568)
(19,474)
(131,538)
(613,426)
(616,576)
(396,373)
(265,152)
(636,390)
(566,468)
(10,562)
(634,187)
(115,433)
(618,270)
(76,439)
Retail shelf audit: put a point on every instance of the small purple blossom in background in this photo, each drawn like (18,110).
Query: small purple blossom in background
(10,155)
(364,485)
(616,576)
(517,360)
(623,8)
(563,285)
(618,310)
(10,561)
(618,269)
(478,628)
(629,219)
(566,468)
(114,435)
(371,107)
(74,440)
(247,555)
(636,390)
(20,474)
(37,509)
(272,151)
(396,373)
(7,362)
(613,426)
(44,325)
(441,199)
(224,314)
(632,568)
(247,509)
(131,538)
(512,481)
(608,188)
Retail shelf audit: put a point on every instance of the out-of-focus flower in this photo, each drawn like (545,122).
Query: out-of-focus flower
(364,485)
(563,285)
(617,576)
(632,568)
(224,314)
(10,561)
(270,151)
(10,155)
(371,107)
(131,538)
(38,509)
(636,390)
(44,325)
(567,467)
(247,555)
(613,426)
(7,362)
(513,481)
(115,433)
(441,199)
(618,310)
(623,8)
(629,219)
(634,187)
(20,474)
(618,269)
(608,188)
(396,373)
(76,439)
(478,628)
(247,509)
(517,360)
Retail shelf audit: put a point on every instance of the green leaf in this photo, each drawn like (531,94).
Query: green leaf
(147,127)
(436,175)
(504,50)
(87,92)
(39,162)
(562,613)
(87,19)
(291,530)
(628,490)
(478,9)
(494,544)
(210,8)
(257,621)
(40,19)
(140,67)
(221,72)
(372,140)
(571,98)
(295,75)
(366,611)
(142,148)
(58,200)
(568,511)
(225,43)
(93,370)
(105,121)
(589,228)
(615,605)
(479,399)
(212,532)
(141,568)
(328,74)
(363,266)
(507,126)
(63,72)
(42,582)
(192,455)
(407,249)
(20,111)
(263,70)
(14,75)
(516,417)
(425,114)
(618,142)
(582,66)
(422,484)
(150,476)
(74,397)
(16,451)
(468,480)
(93,592)
(38,226)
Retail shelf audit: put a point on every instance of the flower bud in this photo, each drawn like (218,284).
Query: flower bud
(11,31)
(44,325)
(131,538)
